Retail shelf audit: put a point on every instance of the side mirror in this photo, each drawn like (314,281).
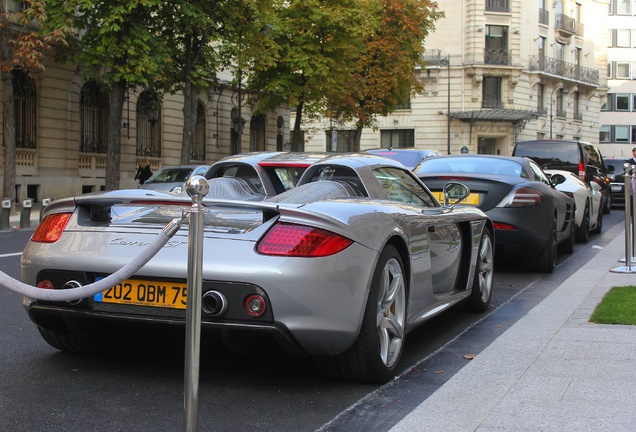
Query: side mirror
(454,193)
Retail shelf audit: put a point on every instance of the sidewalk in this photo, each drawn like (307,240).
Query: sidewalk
(552,371)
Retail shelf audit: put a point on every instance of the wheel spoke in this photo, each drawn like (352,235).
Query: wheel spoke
(391,312)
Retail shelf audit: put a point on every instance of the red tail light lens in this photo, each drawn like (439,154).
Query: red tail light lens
(301,241)
(522,197)
(51,228)
(582,171)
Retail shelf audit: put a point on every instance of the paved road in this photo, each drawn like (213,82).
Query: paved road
(43,389)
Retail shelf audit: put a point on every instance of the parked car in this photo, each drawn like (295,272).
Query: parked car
(582,158)
(340,267)
(269,173)
(411,157)
(173,178)
(617,179)
(588,213)
(531,217)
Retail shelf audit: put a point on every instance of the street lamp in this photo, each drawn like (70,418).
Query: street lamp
(446,62)
(563,91)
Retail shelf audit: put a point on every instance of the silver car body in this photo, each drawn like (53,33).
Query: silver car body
(315,305)
(584,196)
(173,178)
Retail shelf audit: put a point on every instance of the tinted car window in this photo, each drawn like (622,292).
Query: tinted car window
(547,154)
(402,187)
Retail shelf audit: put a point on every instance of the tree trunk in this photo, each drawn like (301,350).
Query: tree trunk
(113,146)
(295,144)
(8,182)
(356,137)
(189,121)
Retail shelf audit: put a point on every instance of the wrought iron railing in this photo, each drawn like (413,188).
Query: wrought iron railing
(432,57)
(497,56)
(498,5)
(564,69)
(568,24)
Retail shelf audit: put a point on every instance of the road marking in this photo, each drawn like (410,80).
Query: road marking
(10,255)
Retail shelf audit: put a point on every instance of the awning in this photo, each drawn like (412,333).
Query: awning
(495,115)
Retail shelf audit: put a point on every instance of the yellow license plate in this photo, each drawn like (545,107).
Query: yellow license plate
(146,293)
(472,199)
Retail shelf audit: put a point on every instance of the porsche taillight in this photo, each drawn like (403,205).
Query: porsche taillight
(522,197)
(293,240)
(51,228)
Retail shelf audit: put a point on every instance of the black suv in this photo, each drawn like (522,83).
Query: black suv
(617,179)
(581,158)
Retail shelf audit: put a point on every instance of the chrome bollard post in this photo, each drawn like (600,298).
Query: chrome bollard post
(629,225)
(197,187)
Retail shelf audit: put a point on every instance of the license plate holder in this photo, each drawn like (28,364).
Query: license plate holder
(150,293)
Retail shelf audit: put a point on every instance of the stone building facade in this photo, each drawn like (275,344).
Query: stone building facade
(61,131)
(497,71)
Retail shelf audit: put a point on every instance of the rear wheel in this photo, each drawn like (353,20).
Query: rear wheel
(376,353)
(481,292)
(583,232)
(607,207)
(546,261)
(599,223)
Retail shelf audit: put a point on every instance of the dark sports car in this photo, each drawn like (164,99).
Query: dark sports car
(531,217)
(339,267)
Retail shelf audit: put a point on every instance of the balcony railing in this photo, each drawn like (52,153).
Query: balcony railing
(432,57)
(564,69)
(498,5)
(567,24)
(544,16)
(497,56)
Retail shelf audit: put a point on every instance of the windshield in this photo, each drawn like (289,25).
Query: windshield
(170,175)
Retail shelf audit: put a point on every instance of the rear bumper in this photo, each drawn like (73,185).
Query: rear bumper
(531,233)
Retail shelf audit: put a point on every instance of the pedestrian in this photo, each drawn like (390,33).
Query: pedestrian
(632,160)
(143,171)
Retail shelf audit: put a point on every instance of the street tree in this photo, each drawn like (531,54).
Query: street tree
(23,44)
(384,76)
(318,45)
(117,47)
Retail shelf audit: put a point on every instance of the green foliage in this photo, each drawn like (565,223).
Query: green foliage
(617,307)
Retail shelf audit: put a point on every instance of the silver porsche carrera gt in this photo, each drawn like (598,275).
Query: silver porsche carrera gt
(339,268)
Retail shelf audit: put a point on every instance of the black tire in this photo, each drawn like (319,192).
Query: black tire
(481,291)
(71,342)
(599,224)
(375,355)
(583,232)
(546,261)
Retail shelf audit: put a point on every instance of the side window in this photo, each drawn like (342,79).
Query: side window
(402,187)
(539,175)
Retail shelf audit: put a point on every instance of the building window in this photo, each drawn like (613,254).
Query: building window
(576,101)
(623,38)
(604,134)
(491,92)
(560,106)
(624,7)
(24,109)
(496,45)
(622,102)
(397,138)
(609,70)
(198,143)
(94,107)
(257,133)
(633,133)
(541,99)
(622,70)
(340,141)
(621,134)
(149,125)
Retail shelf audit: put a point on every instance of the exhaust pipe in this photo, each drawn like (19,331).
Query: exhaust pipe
(70,285)
(214,303)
